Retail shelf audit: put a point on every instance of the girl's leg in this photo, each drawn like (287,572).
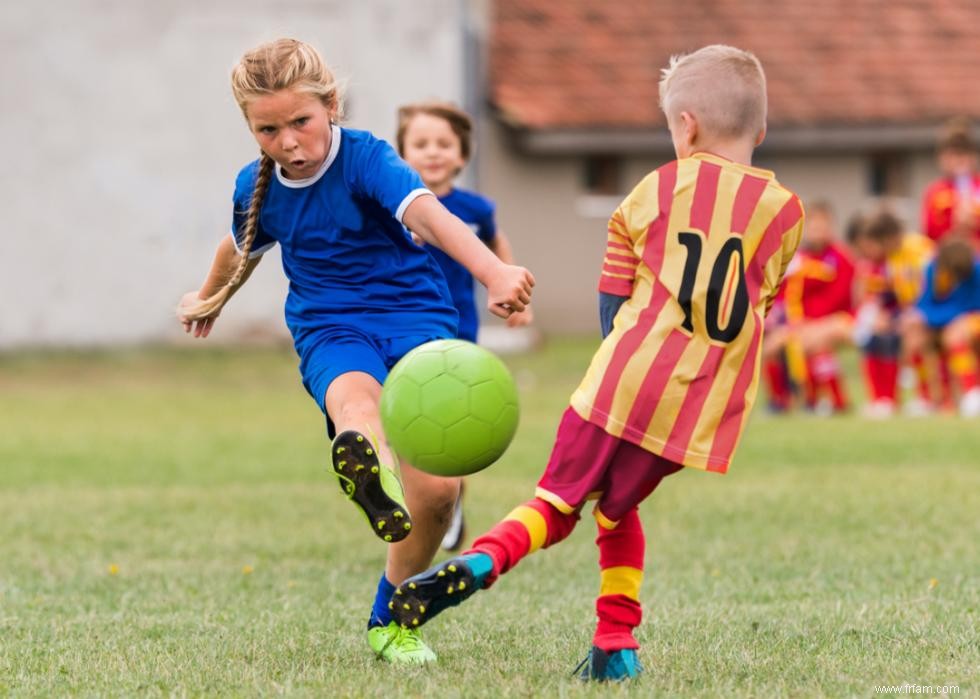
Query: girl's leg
(431,500)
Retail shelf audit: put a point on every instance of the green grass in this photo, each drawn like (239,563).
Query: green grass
(167,527)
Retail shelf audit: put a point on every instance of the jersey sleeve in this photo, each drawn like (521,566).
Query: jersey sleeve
(488,222)
(620,261)
(791,242)
(242,199)
(381,175)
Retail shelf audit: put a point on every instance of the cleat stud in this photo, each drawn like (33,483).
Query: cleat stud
(408,525)
(359,467)
(381,524)
(441,574)
(387,537)
(374,469)
(399,514)
(341,450)
(449,590)
(398,591)
(421,609)
(412,586)
(406,606)
(391,605)
(461,586)
(360,438)
(451,568)
(369,451)
(415,621)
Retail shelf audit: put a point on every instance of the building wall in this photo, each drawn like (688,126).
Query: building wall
(123,140)
(559,233)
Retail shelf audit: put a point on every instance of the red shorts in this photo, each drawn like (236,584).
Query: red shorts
(589,463)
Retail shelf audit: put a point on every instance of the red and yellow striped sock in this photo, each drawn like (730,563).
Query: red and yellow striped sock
(963,365)
(621,574)
(535,524)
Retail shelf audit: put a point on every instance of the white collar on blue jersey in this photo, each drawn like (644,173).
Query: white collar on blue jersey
(331,156)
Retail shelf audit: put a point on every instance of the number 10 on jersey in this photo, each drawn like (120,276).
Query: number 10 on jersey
(726,287)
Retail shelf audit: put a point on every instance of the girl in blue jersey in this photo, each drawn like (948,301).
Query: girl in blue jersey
(361,293)
(435,138)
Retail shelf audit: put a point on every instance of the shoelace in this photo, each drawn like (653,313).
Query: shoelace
(585,661)
(407,639)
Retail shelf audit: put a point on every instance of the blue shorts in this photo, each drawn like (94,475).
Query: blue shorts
(335,350)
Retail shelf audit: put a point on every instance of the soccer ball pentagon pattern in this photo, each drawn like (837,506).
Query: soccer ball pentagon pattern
(449,408)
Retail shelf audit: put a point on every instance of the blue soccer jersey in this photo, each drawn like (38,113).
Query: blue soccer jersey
(348,258)
(476,212)
(940,310)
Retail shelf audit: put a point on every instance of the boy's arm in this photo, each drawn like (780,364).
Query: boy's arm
(508,286)
(223,266)
(791,242)
(500,245)
(620,262)
(609,305)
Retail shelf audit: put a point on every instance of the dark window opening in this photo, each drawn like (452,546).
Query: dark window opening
(603,175)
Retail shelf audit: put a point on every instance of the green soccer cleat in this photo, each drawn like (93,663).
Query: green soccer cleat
(370,485)
(618,666)
(398,645)
(423,596)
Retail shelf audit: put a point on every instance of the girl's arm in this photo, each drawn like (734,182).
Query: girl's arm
(226,261)
(500,245)
(508,286)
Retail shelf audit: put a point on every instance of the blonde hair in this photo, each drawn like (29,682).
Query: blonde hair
(724,87)
(458,120)
(277,65)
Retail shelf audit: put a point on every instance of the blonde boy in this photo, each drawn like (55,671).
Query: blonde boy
(694,257)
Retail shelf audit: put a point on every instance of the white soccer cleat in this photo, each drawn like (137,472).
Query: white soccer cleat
(881,409)
(970,403)
(918,407)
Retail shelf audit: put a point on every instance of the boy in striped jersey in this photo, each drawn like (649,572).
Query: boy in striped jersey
(695,255)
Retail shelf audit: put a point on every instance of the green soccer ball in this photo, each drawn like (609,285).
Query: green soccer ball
(449,408)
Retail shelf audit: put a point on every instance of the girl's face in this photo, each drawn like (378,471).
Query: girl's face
(293,128)
(433,149)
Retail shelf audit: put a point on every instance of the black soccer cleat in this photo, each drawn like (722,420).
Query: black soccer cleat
(370,485)
(425,595)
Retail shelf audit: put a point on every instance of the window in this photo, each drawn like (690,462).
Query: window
(603,175)
(888,175)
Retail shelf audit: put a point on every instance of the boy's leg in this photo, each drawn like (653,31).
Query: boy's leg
(535,524)
(633,476)
(617,607)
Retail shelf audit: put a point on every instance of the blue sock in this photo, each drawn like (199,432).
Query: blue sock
(380,614)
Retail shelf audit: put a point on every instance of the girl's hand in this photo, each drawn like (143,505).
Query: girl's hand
(509,290)
(201,327)
(522,319)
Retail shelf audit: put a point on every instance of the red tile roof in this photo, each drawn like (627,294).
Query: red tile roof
(560,64)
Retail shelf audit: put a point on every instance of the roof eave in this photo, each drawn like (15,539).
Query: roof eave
(779,139)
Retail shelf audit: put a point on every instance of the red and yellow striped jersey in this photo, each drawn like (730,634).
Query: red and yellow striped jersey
(700,247)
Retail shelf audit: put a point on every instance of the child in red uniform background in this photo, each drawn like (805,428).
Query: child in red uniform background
(951,204)
(891,267)
(817,310)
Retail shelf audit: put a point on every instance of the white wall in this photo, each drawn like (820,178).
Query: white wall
(122,143)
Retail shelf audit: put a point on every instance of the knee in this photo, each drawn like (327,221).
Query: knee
(357,410)
(437,496)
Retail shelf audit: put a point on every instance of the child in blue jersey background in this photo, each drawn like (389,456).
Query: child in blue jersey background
(436,139)
(361,292)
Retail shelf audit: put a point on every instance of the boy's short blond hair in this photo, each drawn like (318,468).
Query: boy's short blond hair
(722,86)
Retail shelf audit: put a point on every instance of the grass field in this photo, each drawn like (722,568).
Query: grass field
(167,527)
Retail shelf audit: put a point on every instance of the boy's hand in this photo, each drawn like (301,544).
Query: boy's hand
(509,290)
(201,327)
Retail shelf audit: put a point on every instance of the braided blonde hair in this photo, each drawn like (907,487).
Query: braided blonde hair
(268,68)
